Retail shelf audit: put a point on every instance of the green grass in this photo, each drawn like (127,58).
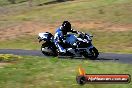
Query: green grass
(42,72)
(28,43)
(119,42)
(113,11)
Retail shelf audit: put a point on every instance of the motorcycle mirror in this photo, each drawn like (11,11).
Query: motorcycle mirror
(91,35)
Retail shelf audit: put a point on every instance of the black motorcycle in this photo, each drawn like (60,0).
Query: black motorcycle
(75,45)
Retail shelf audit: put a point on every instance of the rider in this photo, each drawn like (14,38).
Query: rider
(60,36)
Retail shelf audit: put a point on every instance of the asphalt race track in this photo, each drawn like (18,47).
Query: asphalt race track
(123,58)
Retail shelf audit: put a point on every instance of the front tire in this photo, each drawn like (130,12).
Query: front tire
(47,51)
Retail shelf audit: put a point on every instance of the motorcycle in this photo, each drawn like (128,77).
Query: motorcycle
(75,45)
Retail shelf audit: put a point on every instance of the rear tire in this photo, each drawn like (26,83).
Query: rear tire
(94,54)
(48,51)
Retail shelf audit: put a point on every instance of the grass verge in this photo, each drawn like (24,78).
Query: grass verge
(42,72)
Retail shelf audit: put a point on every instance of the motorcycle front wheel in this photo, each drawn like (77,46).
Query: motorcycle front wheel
(47,50)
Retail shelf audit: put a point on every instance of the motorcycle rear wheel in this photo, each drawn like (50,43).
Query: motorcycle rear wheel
(94,54)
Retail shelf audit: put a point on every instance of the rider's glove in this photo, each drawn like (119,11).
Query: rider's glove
(80,32)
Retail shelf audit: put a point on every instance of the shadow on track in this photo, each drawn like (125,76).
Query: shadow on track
(82,58)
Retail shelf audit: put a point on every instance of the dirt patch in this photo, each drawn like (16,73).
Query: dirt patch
(117,28)
(28,28)
(33,28)
(3,64)
(101,26)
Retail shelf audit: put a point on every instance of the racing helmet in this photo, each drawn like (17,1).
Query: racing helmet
(66,26)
